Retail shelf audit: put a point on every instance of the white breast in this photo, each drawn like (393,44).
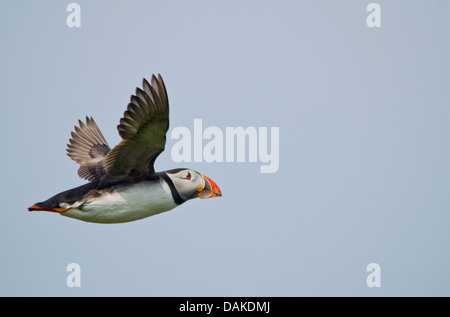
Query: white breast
(126,203)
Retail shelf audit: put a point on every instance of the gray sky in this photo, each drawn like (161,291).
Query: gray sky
(363,116)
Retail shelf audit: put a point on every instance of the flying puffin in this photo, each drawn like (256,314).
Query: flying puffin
(123,185)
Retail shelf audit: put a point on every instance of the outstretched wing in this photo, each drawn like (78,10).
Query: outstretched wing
(88,148)
(143,130)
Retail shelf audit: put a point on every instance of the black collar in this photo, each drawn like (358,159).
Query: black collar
(175,194)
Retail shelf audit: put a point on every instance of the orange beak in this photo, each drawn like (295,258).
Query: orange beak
(210,189)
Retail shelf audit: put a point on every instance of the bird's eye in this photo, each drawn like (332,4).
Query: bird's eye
(188,176)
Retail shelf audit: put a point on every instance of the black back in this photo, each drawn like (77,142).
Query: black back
(69,196)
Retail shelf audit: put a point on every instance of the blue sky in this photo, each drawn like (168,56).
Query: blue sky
(363,164)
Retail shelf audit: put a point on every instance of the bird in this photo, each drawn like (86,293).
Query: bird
(123,185)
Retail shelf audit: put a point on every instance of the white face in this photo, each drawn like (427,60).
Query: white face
(188,183)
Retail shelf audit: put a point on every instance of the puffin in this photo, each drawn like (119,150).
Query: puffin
(123,185)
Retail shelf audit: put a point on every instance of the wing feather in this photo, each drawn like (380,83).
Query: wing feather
(88,148)
(143,130)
